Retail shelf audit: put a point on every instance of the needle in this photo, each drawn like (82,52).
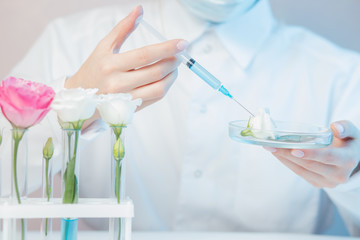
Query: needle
(242,106)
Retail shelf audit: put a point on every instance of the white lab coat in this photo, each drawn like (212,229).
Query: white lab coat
(183,170)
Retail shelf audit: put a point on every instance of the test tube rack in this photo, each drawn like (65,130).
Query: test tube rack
(32,208)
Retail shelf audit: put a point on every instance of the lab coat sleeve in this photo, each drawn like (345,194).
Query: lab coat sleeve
(50,60)
(347,196)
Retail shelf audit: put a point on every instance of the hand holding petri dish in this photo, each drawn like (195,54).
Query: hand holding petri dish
(262,130)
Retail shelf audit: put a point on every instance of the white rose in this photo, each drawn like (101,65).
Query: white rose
(73,105)
(117,109)
(262,126)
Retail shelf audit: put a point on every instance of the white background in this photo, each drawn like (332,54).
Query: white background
(21,21)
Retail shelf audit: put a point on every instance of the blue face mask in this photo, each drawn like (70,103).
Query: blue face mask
(218,10)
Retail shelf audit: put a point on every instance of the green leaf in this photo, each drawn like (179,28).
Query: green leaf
(247,131)
(117,130)
(78,125)
(65,173)
(76,191)
(70,185)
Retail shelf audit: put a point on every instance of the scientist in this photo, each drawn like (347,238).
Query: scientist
(184,172)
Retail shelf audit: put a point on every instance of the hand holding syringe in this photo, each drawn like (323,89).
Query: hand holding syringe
(196,67)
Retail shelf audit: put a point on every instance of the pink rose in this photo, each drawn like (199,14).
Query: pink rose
(24,103)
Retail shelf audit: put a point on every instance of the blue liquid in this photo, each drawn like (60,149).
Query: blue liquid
(69,229)
(207,77)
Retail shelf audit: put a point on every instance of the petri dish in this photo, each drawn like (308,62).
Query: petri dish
(287,135)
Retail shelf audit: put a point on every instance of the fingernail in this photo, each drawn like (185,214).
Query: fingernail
(141,13)
(339,128)
(141,10)
(140,17)
(138,20)
(270,149)
(297,153)
(182,45)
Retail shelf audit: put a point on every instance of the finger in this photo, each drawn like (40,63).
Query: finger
(298,157)
(144,76)
(121,31)
(153,73)
(313,178)
(127,81)
(155,91)
(325,155)
(332,173)
(146,55)
(329,155)
(344,129)
(322,169)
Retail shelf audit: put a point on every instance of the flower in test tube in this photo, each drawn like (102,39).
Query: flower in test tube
(117,109)
(24,104)
(74,106)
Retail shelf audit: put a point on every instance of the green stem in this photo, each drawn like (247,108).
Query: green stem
(46,226)
(117,180)
(17,136)
(118,198)
(16,147)
(48,190)
(22,229)
(117,190)
(48,187)
(76,144)
(117,132)
(119,233)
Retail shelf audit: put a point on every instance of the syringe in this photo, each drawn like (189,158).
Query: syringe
(195,67)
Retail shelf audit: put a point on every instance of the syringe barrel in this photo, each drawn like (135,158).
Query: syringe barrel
(200,71)
(192,64)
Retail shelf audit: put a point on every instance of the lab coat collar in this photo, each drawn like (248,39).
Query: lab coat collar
(177,22)
(244,36)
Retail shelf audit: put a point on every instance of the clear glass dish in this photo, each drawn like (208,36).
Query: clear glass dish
(287,135)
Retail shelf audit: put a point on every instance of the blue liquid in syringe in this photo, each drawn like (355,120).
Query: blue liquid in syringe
(207,77)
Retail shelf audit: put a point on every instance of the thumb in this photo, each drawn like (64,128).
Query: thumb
(344,129)
(113,41)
